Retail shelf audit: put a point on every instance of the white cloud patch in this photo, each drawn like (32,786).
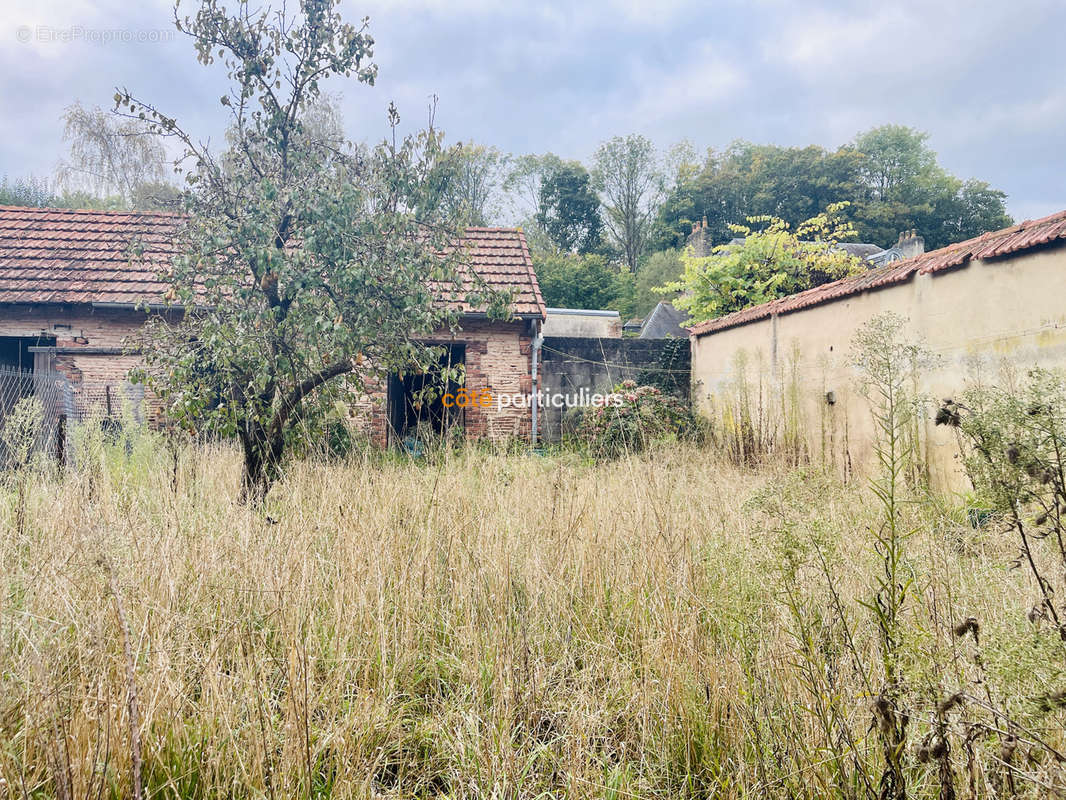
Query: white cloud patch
(981,76)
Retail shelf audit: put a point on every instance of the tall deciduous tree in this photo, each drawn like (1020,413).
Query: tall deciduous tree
(888,175)
(114,157)
(472,178)
(555,201)
(904,187)
(569,211)
(300,261)
(522,182)
(791,183)
(895,161)
(575,281)
(627,174)
(29,191)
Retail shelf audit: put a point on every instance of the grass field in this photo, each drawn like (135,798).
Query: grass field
(487,625)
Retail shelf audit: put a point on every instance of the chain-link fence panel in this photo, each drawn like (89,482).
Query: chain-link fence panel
(56,396)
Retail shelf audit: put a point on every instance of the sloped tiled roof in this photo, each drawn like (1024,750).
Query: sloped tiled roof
(500,258)
(67,256)
(70,256)
(1022,236)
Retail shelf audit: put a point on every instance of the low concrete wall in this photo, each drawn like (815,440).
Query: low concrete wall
(978,320)
(572,364)
(579,323)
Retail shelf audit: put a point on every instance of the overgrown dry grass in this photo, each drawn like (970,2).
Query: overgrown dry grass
(493,626)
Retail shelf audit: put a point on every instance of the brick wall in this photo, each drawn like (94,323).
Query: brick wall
(72,326)
(99,372)
(498,358)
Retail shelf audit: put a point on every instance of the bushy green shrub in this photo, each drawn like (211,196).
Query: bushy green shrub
(636,417)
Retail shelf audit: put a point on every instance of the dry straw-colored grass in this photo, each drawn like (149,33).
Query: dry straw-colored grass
(481,626)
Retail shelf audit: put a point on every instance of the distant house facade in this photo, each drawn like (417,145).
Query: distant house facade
(979,306)
(72,297)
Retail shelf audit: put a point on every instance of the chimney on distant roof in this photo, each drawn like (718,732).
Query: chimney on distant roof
(910,244)
(699,239)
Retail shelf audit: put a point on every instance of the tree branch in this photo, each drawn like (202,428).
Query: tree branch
(304,388)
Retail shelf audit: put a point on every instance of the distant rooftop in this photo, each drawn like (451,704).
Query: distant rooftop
(664,322)
(908,245)
(582,322)
(582,312)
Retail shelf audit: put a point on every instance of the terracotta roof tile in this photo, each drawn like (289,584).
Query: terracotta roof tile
(72,256)
(1024,235)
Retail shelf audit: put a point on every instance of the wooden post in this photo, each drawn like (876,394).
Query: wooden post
(61,440)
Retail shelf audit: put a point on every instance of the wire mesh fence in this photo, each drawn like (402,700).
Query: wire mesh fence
(63,403)
(56,397)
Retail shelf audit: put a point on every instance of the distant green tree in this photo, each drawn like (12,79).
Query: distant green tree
(522,182)
(568,280)
(555,203)
(888,175)
(768,262)
(472,175)
(895,161)
(120,161)
(629,177)
(38,193)
(791,183)
(979,209)
(658,270)
(569,211)
(29,191)
(904,187)
(682,165)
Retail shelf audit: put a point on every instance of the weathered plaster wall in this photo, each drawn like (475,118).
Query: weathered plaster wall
(979,319)
(572,322)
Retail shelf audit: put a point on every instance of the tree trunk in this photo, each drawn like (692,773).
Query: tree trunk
(264,443)
(262,460)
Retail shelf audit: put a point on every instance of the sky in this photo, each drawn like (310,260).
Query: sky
(983,79)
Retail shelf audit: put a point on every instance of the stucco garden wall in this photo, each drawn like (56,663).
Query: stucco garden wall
(978,320)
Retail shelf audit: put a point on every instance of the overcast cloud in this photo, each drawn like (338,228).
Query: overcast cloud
(984,79)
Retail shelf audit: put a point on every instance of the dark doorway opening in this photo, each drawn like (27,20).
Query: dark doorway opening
(15,350)
(19,379)
(413,412)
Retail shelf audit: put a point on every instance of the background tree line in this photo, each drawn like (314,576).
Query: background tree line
(609,233)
